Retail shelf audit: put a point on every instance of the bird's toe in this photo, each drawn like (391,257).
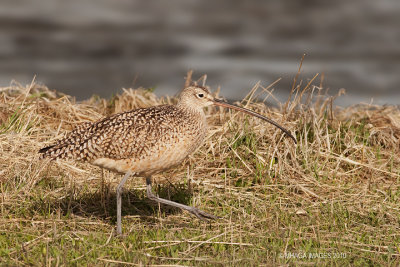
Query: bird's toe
(204,216)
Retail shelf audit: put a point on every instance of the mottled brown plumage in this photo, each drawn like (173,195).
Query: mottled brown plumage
(144,141)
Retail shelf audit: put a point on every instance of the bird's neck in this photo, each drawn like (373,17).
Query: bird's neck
(195,114)
(192,109)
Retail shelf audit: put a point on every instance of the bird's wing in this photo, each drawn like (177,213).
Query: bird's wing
(120,136)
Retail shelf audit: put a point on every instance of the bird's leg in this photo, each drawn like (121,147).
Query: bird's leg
(198,213)
(119,191)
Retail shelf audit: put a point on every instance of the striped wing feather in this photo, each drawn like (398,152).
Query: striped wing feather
(123,135)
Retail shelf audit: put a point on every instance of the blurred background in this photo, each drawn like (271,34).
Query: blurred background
(90,47)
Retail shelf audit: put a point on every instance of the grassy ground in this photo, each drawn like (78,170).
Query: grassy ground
(331,200)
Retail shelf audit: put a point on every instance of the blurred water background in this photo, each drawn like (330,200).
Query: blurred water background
(90,47)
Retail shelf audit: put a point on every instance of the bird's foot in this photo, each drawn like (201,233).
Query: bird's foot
(204,216)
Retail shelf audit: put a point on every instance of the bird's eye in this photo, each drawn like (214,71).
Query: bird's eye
(200,95)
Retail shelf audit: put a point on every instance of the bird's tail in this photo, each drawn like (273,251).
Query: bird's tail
(53,152)
(45,149)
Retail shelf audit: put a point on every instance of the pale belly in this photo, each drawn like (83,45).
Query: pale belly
(162,158)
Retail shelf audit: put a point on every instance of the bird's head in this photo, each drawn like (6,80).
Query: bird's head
(197,97)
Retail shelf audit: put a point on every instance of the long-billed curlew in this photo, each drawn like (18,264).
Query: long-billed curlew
(145,141)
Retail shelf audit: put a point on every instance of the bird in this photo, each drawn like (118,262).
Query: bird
(146,141)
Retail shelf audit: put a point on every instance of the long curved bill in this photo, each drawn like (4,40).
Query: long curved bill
(222,103)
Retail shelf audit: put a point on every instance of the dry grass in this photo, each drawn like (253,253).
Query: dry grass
(331,200)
